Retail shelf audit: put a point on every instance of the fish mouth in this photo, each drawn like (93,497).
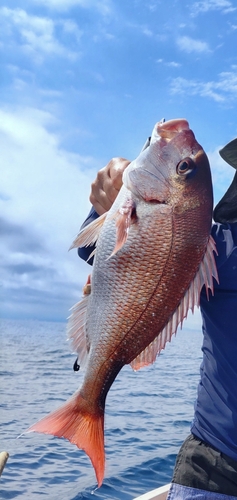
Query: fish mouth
(167,130)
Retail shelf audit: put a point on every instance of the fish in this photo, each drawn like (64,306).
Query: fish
(153,254)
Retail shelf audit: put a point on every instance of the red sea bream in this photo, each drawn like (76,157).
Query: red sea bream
(153,254)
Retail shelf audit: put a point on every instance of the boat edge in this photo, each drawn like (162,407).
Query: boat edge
(157,494)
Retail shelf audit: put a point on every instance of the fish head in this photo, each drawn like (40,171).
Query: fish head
(173,170)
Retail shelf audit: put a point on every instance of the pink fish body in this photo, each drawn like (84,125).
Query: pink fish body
(153,254)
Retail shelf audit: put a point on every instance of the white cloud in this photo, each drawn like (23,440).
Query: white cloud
(188,44)
(40,178)
(173,64)
(43,201)
(192,87)
(147,32)
(37,34)
(170,64)
(222,173)
(223,90)
(71,27)
(153,6)
(207,5)
(228,82)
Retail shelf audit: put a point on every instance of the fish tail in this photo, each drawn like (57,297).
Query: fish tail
(75,421)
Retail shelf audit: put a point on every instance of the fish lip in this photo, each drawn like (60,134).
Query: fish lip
(156,202)
(167,130)
(152,201)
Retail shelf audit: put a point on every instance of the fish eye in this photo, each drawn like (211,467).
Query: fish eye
(185,167)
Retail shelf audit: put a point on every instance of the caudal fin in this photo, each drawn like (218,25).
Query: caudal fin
(74,422)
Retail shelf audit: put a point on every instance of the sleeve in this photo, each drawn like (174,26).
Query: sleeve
(84,252)
(225,237)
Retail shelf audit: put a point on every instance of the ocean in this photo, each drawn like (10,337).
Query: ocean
(148,415)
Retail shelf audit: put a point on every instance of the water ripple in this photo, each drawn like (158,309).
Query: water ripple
(147,417)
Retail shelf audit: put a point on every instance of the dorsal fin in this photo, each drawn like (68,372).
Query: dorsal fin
(89,234)
(204,276)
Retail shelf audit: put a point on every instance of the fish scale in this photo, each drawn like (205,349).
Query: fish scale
(134,293)
(153,255)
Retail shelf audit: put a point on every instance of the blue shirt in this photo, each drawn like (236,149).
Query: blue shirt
(84,252)
(215,420)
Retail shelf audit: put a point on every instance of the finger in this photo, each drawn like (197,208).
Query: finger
(103,192)
(110,191)
(107,184)
(116,169)
(100,202)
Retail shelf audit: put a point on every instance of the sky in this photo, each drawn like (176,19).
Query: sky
(83,81)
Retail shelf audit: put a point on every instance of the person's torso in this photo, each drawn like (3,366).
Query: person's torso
(215,418)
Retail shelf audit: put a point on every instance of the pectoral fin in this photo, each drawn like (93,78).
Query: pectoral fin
(89,234)
(125,216)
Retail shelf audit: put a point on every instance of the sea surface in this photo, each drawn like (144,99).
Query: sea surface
(148,415)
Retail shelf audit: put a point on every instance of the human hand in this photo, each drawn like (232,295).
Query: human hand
(107,184)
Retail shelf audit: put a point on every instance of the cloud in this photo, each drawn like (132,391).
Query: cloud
(37,35)
(173,64)
(223,90)
(26,267)
(188,44)
(170,64)
(209,5)
(153,6)
(26,302)
(222,173)
(19,238)
(192,87)
(44,201)
(147,32)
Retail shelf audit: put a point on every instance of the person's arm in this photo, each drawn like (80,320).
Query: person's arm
(104,190)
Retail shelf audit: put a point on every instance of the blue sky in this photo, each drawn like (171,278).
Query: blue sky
(83,81)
